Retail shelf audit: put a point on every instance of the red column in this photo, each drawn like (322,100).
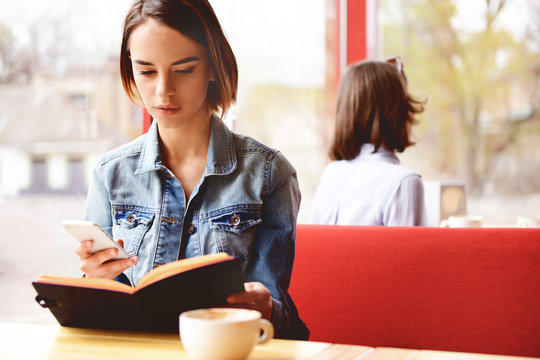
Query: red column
(352,32)
(348,39)
(356,31)
(147,120)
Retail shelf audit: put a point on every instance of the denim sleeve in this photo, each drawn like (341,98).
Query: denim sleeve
(98,208)
(275,246)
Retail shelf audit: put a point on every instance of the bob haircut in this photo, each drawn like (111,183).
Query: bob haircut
(195,19)
(373,107)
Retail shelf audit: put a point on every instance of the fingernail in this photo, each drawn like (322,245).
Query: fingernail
(112,252)
(87,244)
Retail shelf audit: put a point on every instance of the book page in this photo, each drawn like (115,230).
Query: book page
(86,282)
(176,267)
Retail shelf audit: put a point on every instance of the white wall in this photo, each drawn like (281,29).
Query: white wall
(15,170)
(57,171)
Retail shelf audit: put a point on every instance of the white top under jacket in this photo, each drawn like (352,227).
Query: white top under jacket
(372,189)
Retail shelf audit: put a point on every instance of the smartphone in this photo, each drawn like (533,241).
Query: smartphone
(88,230)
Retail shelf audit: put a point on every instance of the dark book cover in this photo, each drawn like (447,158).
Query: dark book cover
(155,307)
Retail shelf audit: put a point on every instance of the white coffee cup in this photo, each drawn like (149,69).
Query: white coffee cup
(223,333)
(528,221)
(457,221)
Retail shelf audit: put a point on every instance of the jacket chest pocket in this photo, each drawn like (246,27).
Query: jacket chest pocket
(131,223)
(234,230)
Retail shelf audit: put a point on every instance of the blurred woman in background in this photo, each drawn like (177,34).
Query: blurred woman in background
(365,183)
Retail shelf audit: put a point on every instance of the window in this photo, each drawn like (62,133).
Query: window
(481,124)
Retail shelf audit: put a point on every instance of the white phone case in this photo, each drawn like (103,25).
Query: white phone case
(88,230)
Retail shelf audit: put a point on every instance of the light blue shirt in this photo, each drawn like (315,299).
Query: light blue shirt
(245,204)
(372,189)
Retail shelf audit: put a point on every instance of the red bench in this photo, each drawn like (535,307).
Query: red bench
(469,290)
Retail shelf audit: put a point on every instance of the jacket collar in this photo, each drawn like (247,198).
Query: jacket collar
(149,157)
(221,158)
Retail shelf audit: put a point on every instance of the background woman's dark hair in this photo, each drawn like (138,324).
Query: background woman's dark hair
(195,19)
(373,106)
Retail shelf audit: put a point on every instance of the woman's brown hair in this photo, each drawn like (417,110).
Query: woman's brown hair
(373,107)
(195,19)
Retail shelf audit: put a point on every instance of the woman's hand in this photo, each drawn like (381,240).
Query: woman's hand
(99,264)
(256,297)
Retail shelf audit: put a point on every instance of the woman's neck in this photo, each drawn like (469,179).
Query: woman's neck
(185,142)
(184,151)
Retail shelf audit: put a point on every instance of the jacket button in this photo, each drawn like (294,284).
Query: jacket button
(191,229)
(131,217)
(235,220)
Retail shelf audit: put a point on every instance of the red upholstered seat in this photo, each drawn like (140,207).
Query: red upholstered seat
(470,290)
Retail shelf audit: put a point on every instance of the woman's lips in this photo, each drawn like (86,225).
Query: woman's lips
(167,109)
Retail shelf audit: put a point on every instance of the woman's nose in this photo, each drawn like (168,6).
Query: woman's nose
(165,86)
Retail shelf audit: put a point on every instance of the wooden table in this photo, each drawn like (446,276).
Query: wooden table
(29,341)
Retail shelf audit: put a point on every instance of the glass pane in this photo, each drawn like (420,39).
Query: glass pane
(478,66)
(61,106)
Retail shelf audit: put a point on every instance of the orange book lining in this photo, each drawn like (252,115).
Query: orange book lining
(155,275)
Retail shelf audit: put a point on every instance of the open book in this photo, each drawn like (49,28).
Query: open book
(153,305)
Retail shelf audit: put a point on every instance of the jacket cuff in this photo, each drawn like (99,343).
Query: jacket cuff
(279,319)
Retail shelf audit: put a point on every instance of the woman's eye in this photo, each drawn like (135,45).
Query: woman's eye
(185,71)
(146,72)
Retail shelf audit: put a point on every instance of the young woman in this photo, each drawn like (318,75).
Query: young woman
(190,186)
(365,184)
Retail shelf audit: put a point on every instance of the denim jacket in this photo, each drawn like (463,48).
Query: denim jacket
(245,204)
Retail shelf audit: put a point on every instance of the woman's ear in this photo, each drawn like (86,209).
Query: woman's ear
(212,77)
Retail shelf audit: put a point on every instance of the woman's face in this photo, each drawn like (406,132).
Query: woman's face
(171,73)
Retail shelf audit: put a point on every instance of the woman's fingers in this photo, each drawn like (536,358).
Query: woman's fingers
(112,269)
(83,250)
(100,264)
(256,296)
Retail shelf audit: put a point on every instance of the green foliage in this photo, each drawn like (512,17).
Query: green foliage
(466,76)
